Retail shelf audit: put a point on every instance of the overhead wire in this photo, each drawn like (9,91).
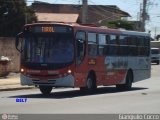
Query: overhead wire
(98,8)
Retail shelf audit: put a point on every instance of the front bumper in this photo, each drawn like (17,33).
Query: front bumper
(66,81)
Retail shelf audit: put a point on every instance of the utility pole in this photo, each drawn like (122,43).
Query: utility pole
(155,32)
(84,11)
(26,17)
(144,16)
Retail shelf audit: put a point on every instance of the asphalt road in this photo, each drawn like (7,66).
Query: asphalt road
(143,98)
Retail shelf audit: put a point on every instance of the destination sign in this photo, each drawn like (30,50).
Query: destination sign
(48,29)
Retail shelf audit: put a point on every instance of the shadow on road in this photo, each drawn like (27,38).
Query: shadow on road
(75,93)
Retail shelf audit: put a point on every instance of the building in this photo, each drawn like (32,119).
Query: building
(73,13)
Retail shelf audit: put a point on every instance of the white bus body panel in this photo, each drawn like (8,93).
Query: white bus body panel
(140,66)
(67,81)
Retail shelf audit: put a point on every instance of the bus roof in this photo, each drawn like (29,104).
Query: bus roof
(109,30)
(92,28)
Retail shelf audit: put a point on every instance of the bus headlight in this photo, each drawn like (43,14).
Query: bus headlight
(69,71)
(22,70)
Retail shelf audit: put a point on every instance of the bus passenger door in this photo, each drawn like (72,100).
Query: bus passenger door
(80,69)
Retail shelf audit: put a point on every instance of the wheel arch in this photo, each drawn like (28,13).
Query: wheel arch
(93,76)
(92,73)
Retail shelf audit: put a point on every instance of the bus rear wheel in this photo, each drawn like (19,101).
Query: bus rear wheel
(128,84)
(45,90)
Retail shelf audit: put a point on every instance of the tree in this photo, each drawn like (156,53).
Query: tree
(13,16)
(119,24)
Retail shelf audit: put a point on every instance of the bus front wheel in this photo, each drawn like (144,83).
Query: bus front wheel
(45,90)
(90,85)
(128,84)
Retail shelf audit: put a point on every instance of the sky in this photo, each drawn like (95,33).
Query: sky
(130,6)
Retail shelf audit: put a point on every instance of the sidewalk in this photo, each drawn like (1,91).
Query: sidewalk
(12,82)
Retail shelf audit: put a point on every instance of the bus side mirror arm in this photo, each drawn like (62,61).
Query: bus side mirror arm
(17,42)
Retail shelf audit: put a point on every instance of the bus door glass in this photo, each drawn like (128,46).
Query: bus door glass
(80,46)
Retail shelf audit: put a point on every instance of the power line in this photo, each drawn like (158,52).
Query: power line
(103,14)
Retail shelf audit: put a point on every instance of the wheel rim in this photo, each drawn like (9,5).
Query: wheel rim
(89,83)
(45,90)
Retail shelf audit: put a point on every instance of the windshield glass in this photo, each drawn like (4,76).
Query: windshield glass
(50,49)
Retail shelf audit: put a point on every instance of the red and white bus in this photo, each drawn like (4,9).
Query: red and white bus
(71,55)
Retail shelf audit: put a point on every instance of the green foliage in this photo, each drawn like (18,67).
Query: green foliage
(13,16)
(119,24)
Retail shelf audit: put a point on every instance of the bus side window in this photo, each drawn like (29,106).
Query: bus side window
(113,46)
(147,46)
(80,46)
(102,42)
(123,47)
(92,44)
(132,43)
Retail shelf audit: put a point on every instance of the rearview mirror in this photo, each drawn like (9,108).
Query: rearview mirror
(19,42)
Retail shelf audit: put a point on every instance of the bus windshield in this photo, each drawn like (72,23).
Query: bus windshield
(51,50)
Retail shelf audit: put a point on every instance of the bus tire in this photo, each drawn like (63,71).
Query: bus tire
(45,90)
(128,84)
(90,85)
